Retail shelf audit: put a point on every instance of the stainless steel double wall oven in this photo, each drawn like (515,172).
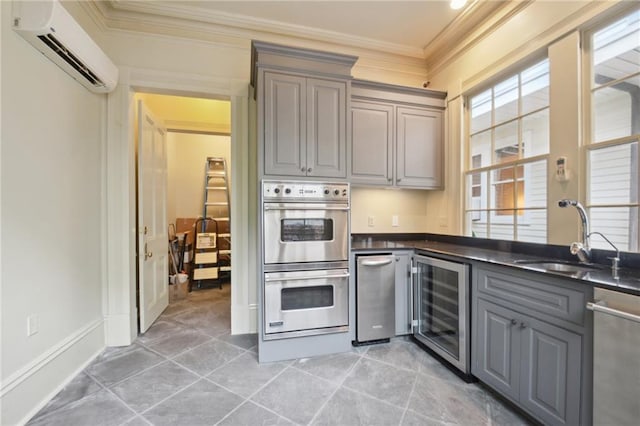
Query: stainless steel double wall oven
(305,245)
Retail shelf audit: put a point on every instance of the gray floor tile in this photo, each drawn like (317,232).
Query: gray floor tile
(147,389)
(249,414)
(381,381)
(499,412)
(295,395)
(175,344)
(435,368)
(176,308)
(399,353)
(424,400)
(99,409)
(160,328)
(244,375)
(208,356)
(333,367)
(439,398)
(80,387)
(411,418)
(244,341)
(119,366)
(347,407)
(200,404)
(137,421)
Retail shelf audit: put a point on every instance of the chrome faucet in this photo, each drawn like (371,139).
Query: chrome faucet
(615,261)
(581,249)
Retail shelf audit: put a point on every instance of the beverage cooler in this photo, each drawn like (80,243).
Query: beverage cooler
(441,308)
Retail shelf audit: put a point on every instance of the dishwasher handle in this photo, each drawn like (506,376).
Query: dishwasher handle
(379,262)
(602,307)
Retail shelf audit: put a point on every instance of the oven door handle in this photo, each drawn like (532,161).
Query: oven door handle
(314,277)
(337,208)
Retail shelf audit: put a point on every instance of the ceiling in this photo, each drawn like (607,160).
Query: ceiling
(415,29)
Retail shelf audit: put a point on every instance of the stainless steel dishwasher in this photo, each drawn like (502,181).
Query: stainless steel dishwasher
(616,358)
(375,297)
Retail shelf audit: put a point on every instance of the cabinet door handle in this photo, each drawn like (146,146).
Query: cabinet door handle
(523,325)
(309,170)
(514,322)
(398,180)
(303,169)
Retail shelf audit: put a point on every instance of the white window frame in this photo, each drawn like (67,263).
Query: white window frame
(492,218)
(590,145)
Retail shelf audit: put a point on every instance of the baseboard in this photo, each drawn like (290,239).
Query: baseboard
(29,389)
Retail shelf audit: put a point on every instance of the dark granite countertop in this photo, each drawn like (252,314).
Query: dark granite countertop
(512,254)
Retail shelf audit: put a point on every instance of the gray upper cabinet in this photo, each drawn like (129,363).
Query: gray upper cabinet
(532,342)
(285,125)
(326,128)
(396,136)
(301,97)
(419,148)
(372,143)
(305,126)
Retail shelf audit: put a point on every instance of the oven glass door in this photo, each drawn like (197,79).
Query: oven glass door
(306,302)
(297,232)
(441,308)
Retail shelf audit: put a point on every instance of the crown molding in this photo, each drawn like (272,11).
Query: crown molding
(173,19)
(242,26)
(458,37)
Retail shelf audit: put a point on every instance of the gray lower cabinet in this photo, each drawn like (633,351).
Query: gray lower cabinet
(404,309)
(305,126)
(396,136)
(531,343)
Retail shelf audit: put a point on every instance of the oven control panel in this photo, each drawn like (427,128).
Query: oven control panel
(307,191)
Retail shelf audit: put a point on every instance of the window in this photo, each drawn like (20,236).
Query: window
(612,154)
(508,147)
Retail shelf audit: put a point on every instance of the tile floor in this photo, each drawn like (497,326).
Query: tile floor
(187,370)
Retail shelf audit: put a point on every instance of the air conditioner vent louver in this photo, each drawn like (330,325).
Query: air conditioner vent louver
(48,26)
(70,58)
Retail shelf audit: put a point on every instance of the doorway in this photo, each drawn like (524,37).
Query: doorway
(196,130)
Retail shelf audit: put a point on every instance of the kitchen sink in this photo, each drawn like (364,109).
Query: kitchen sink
(561,266)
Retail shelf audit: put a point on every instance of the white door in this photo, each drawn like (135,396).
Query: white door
(153,245)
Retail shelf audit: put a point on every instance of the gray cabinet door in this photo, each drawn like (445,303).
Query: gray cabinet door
(326,128)
(404,310)
(419,147)
(285,124)
(497,348)
(550,372)
(372,143)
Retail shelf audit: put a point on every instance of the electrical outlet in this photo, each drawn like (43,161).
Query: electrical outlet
(394,220)
(371,221)
(442,222)
(33,324)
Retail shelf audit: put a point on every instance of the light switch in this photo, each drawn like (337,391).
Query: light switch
(32,324)
(371,221)
(395,221)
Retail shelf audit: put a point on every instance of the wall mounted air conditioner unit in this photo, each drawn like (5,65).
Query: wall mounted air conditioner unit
(54,32)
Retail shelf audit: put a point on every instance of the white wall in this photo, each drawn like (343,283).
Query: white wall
(382,204)
(186,164)
(52,203)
